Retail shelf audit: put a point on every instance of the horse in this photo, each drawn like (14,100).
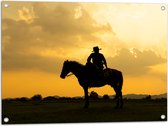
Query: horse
(87,79)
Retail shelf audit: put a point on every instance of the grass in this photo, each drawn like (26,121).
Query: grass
(68,111)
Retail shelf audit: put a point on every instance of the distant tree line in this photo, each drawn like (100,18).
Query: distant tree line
(92,95)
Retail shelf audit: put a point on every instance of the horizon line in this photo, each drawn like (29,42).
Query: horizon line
(79,96)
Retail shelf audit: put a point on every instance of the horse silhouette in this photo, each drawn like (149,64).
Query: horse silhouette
(87,79)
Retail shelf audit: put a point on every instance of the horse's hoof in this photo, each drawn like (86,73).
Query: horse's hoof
(116,107)
(85,107)
(121,107)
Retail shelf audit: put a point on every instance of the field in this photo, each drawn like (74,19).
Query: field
(70,111)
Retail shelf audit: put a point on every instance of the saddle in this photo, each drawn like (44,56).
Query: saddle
(95,73)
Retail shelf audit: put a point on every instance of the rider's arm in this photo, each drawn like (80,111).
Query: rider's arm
(89,58)
(104,61)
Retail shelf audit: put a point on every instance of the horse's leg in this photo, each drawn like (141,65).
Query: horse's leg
(86,97)
(120,84)
(117,96)
(121,99)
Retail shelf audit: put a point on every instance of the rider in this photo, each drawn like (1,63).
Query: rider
(97,59)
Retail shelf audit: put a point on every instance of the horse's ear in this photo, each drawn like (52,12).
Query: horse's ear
(66,60)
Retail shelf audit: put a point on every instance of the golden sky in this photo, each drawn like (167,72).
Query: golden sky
(37,37)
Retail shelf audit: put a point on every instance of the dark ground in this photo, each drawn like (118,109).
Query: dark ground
(66,111)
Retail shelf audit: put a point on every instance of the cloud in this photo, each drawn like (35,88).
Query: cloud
(135,62)
(52,32)
(32,62)
(61,20)
(46,35)
(78,13)
(26,15)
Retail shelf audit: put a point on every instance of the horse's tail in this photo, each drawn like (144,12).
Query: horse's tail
(120,80)
(120,89)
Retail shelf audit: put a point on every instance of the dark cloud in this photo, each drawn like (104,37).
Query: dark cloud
(61,20)
(135,62)
(52,28)
(32,62)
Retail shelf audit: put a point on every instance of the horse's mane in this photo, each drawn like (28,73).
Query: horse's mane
(77,63)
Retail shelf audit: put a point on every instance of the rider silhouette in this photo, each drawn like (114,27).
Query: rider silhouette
(97,59)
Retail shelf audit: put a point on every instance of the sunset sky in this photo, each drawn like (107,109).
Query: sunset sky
(38,37)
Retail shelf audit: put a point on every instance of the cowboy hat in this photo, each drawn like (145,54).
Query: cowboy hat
(96,48)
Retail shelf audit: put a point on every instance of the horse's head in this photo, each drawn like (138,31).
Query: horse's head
(65,69)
